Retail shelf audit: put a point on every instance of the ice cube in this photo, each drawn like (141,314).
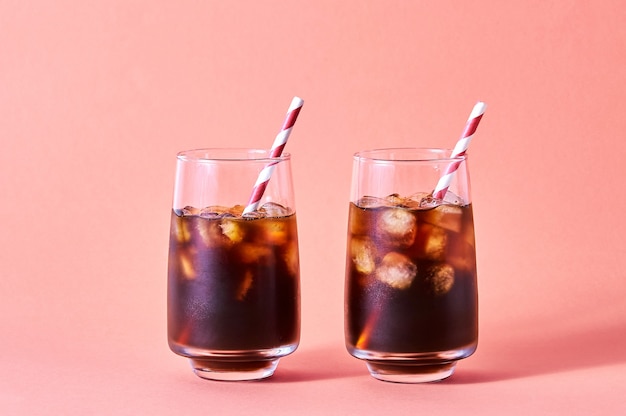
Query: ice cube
(462,255)
(292,259)
(371,202)
(397,226)
(440,278)
(429,202)
(363,253)
(189,210)
(433,242)
(236,211)
(219,211)
(394,200)
(396,270)
(272,209)
(232,229)
(275,232)
(214,211)
(180,230)
(252,253)
(360,221)
(453,199)
(445,216)
(253,215)
(416,200)
(210,232)
(245,285)
(185,262)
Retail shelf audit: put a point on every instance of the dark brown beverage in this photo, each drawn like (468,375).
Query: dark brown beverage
(411,279)
(233,284)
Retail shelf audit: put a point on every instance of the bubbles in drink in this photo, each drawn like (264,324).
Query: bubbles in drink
(396,270)
(397,226)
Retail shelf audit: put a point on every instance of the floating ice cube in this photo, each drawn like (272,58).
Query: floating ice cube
(433,242)
(232,229)
(189,210)
(251,253)
(396,270)
(416,201)
(213,211)
(462,255)
(180,230)
(360,221)
(371,202)
(218,211)
(245,285)
(253,215)
(394,200)
(363,253)
(272,209)
(275,232)
(452,198)
(292,259)
(440,278)
(397,226)
(237,210)
(185,262)
(210,232)
(445,216)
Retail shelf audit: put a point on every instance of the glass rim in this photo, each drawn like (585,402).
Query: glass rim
(407,154)
(229,154)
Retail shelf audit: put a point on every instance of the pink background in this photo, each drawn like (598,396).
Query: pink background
(96,97)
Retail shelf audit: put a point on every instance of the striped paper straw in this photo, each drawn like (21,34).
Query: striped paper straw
(277,149)
(459,149)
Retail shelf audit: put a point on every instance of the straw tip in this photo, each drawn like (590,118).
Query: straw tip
(478,110)
(296,102)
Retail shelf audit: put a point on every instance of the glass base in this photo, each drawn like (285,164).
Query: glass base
(233,370)
(410,373)
(233,365)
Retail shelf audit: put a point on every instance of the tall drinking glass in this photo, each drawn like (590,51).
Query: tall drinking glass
(411,307)
(233,278)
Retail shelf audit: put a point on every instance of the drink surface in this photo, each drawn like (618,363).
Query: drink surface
(233,282)
(411,277)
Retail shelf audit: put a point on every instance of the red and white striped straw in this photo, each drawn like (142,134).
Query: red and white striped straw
(277,149)
(459,149)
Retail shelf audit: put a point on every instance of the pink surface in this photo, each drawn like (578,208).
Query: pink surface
(97,97)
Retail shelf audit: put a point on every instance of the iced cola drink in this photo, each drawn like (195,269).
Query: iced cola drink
(233,285)
(411,290)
